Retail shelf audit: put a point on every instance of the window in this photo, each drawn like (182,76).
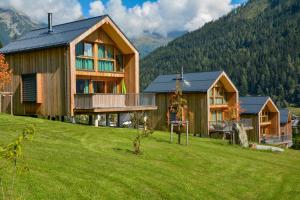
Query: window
(216,116)
(112,87)
(31,88)
(213,116)
(119,62)
(99,86)
(82,86)
(218,95)
(104,65)
(110,52)
(84,49)
(101,51)
(83,63)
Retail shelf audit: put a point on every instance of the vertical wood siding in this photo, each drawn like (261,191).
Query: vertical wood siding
(51,64)
(197,112)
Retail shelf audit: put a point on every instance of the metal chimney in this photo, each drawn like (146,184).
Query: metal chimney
(181,76)
(50,30)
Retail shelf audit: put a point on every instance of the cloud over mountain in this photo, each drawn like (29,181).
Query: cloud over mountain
(162,16)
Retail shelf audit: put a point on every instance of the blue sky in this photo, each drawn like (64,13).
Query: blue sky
(128,4)
(162,17)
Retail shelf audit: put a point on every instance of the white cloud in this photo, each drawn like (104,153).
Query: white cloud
(163,16)
(63,10)
(96,8)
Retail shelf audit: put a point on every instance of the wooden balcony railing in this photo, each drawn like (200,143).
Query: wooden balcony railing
(275,139)
(91,101)
(227,126)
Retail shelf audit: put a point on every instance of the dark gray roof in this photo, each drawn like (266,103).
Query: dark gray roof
(252,105)
(193,82)
(284,116)
(62,34)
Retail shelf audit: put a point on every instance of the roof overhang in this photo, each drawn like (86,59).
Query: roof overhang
(114,33)
(225,80)
(270,105)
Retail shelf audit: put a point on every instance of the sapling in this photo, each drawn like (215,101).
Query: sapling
(142,123)
(10,154)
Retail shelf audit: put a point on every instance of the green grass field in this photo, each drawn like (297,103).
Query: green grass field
(70,161)
(295,110)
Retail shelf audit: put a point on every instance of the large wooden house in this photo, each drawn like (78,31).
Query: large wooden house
(265,119)
(209,96)
(82,67)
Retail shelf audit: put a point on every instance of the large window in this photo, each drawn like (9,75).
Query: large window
(112,87)
(217,95)
(105,65)
(84,56)
(82,86)
(99,86)
(108,58)
(216,116)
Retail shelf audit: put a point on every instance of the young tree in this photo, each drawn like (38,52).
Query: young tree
(10,154)
(5,73)
(177,106)
(139,119)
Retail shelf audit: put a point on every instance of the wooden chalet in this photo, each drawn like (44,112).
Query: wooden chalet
(82,67)
(285,122)
(209,96)
(265,118)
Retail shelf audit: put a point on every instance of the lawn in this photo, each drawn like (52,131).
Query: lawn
(295,110)
(70,161)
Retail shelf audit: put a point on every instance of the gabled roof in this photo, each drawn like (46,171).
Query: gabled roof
(192,82)
(62,35)
(284,116)
(253,105)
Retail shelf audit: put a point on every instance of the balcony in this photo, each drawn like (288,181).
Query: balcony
(227,126)
(100,103)
(275,139)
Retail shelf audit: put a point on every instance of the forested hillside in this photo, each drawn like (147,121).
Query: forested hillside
(257,44)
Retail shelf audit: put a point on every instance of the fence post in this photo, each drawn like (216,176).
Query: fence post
(11,104)
(0,103)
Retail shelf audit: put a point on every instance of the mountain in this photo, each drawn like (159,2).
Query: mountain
(14,24)
(151,41)
(257,44)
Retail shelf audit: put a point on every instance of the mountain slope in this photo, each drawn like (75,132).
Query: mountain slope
(14,24)
(257,44)
(151,41)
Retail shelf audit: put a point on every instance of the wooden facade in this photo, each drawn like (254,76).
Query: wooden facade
(286,126)
(200,106)
(58,75)
(265,123)
(50,65)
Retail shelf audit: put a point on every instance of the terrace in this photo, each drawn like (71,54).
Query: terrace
(103,103)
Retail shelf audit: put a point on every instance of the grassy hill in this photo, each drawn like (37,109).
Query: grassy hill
(70,161)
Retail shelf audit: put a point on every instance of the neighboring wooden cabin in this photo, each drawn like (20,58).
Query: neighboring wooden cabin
(87,66)
(285,122)
(208,95)
(265,118)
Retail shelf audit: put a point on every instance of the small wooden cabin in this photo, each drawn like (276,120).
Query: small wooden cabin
(82,67)
(285,122)
(265,118)
(209,95)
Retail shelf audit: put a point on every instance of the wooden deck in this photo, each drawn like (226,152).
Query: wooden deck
(113,103)
(115,109)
